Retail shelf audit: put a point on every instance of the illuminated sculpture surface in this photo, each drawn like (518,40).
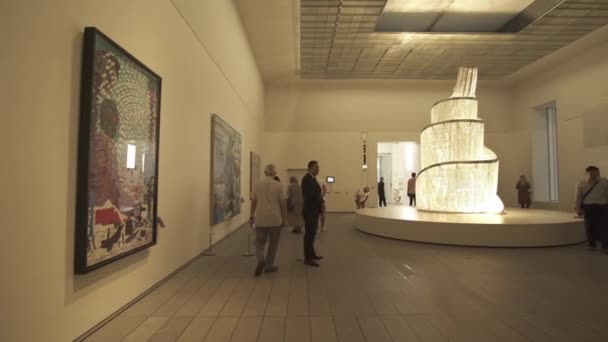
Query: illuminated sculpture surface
(458,173)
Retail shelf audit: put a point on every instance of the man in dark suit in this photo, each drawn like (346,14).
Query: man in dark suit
(381,193)
(312,206)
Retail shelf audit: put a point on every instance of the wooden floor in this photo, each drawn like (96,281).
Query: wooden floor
(374,289)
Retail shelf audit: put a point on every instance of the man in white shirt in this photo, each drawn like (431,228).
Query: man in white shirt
(268,216)
(592,203)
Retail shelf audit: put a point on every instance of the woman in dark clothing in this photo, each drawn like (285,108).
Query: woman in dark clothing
(524,191)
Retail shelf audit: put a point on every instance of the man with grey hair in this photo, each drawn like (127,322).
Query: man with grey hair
(268,215)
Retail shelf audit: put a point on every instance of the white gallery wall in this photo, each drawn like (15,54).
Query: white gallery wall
(575,78)
(324,120)
(201,52)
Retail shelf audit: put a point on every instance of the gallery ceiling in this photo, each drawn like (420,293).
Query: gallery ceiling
(411,39)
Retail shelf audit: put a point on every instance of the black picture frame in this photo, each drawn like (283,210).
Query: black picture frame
(131,92)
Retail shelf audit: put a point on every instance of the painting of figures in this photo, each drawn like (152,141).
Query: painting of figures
(117,154)
(225,171)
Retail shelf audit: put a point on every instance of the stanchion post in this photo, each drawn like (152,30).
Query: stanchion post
(248,253)
(209,251)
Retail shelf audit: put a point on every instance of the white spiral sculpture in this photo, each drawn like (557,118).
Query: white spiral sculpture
(458,173)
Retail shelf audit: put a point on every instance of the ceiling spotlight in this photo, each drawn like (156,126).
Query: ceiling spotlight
(405,37)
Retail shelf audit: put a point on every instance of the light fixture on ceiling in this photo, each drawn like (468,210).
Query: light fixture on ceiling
(415,6)
(461,16)
(406,37)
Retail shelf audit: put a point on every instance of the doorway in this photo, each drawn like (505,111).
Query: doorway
(396,161)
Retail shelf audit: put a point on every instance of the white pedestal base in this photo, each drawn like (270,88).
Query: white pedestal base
(518,228)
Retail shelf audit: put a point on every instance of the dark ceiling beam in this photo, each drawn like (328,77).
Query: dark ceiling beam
(439,16)
(532,13)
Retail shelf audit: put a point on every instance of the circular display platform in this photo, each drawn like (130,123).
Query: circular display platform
(515,228)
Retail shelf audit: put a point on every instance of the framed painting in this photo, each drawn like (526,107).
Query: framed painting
(117,186)
(254,170)
(225,171)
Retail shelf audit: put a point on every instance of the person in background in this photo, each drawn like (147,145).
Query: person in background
(361,197)
(592,203)
(294,205)
(311,209)
(411,189)
(322,214)
(524,190)
(381,193)
(268,216)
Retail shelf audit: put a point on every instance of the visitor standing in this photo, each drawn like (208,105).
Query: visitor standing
(524,192)
(361,197)
(381,193)
(323,207)
(592,203)
(411,189)
(311,210)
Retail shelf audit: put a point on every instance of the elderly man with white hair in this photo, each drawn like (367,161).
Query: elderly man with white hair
(268,216)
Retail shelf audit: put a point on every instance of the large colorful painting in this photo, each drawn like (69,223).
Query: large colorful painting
(117,154)
(225,171)
(254,172)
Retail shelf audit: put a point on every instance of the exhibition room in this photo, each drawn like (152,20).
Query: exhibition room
(304,170)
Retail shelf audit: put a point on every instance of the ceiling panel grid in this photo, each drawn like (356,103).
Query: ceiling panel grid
(338,40)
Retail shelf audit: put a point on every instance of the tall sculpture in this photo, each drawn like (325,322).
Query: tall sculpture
(458,173)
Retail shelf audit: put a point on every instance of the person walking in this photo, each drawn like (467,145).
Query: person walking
(268,216)
(294,205)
